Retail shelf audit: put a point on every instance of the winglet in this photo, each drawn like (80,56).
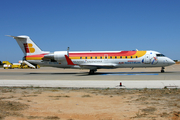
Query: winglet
(69,61)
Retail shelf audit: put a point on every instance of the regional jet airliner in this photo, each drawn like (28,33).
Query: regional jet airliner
(91,60)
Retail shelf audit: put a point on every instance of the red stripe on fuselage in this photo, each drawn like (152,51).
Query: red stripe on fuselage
(39,55)
(122,53)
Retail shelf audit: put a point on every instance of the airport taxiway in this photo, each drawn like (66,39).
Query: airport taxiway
(92,84)
(105,78)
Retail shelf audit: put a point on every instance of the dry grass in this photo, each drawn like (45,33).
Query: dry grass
(52,118)
(34,117)
(149,110)
(10,108)
(66,96)
(149,103)
(86,96)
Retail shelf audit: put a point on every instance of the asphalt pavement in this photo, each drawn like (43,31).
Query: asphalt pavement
(105,78)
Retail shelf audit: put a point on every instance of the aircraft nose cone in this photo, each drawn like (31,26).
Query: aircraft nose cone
(171,62)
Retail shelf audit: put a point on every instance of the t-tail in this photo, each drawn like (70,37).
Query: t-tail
(27,45)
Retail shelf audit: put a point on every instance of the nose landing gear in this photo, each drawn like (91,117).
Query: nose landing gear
(92,72)
(162,70)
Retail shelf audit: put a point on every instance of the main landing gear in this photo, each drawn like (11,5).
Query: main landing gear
(162,70)
(91,72)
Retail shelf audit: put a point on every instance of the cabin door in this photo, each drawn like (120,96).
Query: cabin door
(147,59)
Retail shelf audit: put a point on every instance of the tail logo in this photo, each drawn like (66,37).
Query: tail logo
(29,48)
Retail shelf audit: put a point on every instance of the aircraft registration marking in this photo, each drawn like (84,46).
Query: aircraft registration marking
(86,61)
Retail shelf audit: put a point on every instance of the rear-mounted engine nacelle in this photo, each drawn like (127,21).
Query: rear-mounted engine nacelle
(58,55)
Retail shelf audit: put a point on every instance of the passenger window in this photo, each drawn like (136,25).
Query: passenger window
(95,57)
(136,56)
(126,57)
(131,56)
(115,57)
(80,57)
(111,57)
(91,57)
(121,57)
(86,57)
(100,57)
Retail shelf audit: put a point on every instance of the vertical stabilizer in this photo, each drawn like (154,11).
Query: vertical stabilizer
(27,45)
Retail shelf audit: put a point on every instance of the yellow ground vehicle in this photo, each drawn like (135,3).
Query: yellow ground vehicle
(8,65)
(20,65)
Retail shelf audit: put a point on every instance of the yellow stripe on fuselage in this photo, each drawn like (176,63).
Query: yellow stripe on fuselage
(136,55)
(140,53)
(33,58)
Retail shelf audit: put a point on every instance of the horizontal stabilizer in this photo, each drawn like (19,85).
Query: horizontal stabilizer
(27,45)
(18,36)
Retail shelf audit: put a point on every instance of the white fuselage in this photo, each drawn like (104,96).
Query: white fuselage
(91,60)
(149,59)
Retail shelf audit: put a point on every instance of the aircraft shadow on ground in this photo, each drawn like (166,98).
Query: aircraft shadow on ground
(126,73)
(100,73)
(52,73)
(123,73)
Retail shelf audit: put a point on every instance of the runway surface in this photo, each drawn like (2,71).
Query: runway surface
(105,78)
(92,84)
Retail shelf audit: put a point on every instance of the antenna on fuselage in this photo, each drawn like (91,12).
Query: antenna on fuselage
(68,51)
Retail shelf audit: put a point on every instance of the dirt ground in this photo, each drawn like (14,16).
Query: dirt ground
(89,104)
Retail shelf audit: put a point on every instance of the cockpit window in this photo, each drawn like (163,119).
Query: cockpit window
(160,55)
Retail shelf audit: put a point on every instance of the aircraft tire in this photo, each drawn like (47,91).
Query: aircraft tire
(91,72)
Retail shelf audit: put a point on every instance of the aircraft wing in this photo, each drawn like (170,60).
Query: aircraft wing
(90,65)
(97,66)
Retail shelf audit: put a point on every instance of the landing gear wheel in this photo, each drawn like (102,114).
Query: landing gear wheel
(162,70)
(91,72)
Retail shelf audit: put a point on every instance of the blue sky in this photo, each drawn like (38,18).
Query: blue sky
(96,25)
